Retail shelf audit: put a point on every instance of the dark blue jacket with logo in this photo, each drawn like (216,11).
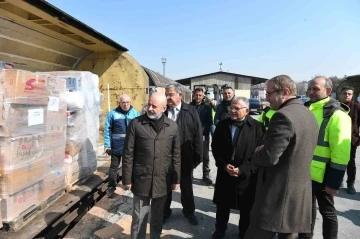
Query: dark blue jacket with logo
(116,124)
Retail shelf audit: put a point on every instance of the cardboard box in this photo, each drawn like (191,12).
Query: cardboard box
(24,87)
(15,179)
(73,148)
(53,182)
(19,119)
(20,202)
(72,172)
(21,150)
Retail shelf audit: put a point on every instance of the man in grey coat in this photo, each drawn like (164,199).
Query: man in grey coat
(151,165)
(283,194)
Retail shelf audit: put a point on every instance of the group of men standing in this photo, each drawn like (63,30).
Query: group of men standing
(272,170)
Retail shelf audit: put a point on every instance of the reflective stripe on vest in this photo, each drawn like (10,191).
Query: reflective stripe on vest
(119,135)
(318,164)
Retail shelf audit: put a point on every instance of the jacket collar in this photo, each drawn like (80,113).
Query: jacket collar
(144,119)
(291,102)
(249,120)
(118,109)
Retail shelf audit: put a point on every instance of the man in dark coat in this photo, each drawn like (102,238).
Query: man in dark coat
(205,114)
(188,121)
(234,142)
(151,165)
(346,97)
(222,109)
(283,192)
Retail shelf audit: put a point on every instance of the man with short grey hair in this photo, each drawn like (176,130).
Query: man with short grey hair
(116,124)
(188,121)
(235,140)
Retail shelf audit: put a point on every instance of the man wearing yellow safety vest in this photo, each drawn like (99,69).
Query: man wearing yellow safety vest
(331,154)
(265,116)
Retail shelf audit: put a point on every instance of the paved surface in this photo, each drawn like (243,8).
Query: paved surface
(118,210)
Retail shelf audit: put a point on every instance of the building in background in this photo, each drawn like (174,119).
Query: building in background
(240,83)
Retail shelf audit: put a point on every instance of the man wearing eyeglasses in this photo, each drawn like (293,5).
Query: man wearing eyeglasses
(346,97)
(235,140)
(222,109)
(116,124)
(283,191)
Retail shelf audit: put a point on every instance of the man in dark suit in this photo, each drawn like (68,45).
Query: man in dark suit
(188,121)
(346,97)
(205,114)
(283,193)
(234,142)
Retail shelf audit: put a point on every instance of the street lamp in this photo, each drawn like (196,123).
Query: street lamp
(163,60)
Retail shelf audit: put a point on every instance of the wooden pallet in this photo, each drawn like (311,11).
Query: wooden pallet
(30,213)
(79,182)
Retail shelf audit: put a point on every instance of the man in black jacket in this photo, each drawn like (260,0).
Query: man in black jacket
(222,109)
(188,121)
(151,165)
(234,142)
(205,115)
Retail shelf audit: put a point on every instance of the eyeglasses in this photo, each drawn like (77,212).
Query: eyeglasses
(236,108)
(270,93)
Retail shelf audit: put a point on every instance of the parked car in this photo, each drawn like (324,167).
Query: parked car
(305,99)
(255,106)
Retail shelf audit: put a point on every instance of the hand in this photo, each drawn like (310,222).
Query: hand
(175,186)
(259,148)
(229,168)
(128,187)
(331,191)
(237,172)
(106,149)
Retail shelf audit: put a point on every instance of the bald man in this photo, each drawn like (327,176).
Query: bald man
(116,124)
(151,165)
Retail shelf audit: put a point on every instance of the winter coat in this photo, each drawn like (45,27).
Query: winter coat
(151,160)
(205,114)
(191,137)
(230,190)
(116,124)
(284,192)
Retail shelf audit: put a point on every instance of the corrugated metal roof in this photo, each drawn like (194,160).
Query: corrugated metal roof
(161,81)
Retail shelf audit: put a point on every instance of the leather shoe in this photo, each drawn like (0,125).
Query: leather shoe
(351,189)
(110,192)
(192,219)
(207,180)
(218,235)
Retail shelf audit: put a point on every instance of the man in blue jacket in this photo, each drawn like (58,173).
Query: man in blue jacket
(116,124)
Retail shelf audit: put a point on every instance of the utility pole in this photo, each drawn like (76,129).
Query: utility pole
(163,60)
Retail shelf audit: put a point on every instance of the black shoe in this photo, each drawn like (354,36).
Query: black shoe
(218,235)
(110,192)
(166,215)
(192,219)
(207,180)
(351,189)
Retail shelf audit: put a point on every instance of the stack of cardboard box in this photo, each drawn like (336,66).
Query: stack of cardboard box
(28,139)
(82,131)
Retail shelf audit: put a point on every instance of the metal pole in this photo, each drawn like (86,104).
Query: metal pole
(163,60)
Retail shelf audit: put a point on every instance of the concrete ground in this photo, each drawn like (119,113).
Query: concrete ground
(111,218)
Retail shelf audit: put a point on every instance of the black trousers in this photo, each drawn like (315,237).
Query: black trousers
(328,212)
(351,168)
(206,159)
(187,194)
(113,170)
(223,213)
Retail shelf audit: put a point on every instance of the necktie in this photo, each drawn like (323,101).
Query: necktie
(173,116)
